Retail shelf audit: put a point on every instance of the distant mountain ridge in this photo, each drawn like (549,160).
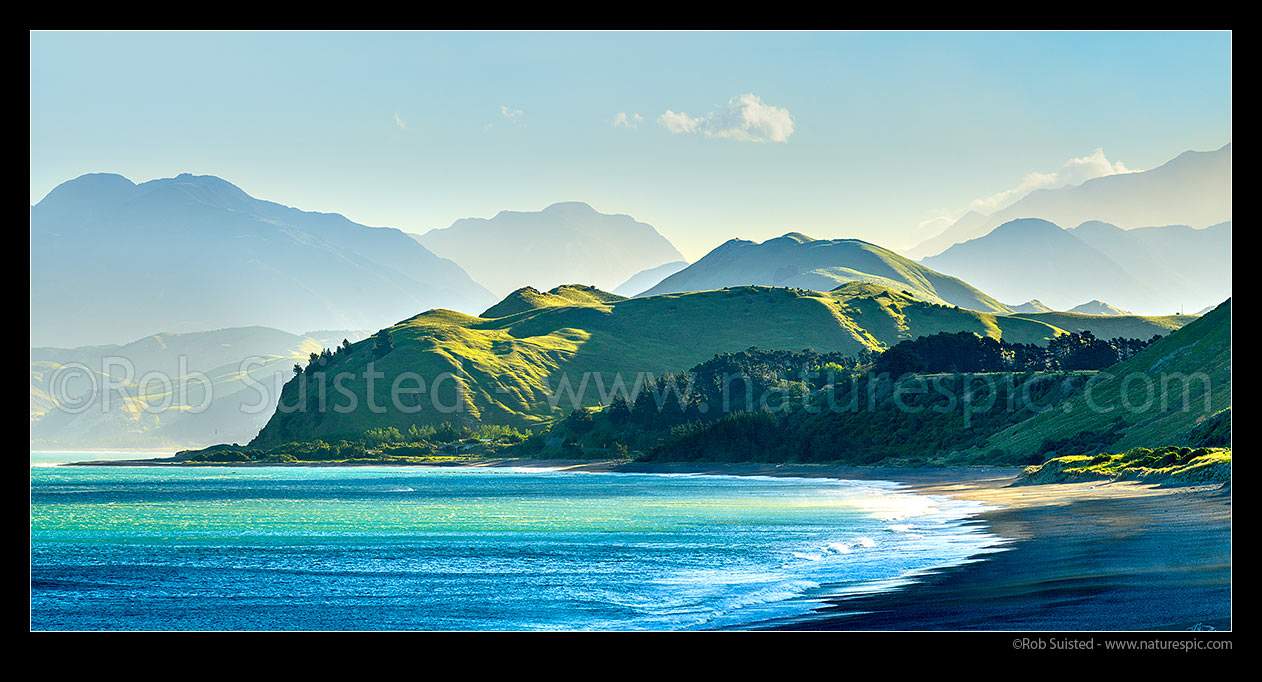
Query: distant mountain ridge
(1193,188)
(1098,307)
(565,242)
(646,279)
(798,261)
(84,398)
(1031,306)
(1149,270)
(112,260)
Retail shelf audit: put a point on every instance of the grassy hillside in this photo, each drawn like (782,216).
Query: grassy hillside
(1168,465)
(504,370)
(796,260)
(1112,326)
(1126,407)
(530,298)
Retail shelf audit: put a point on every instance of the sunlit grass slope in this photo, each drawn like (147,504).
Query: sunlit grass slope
(1112,326)
(503,370)
(1191,368)
(1175,465)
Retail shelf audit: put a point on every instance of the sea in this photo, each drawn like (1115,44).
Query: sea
(446,548)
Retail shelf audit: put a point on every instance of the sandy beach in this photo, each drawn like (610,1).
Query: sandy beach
(1080,556)
(1083,556)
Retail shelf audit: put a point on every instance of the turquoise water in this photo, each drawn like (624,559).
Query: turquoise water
(409,548)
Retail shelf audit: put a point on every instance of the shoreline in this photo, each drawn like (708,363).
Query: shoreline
(1079,556)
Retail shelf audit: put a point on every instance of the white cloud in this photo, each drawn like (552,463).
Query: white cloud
(631,121)
(679,123)
(511,114)
(743,118)
(1074,172)
(398,120)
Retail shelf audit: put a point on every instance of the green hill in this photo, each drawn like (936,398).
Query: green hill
(1112,326)
(796,260)
(514,369)
(530,298)
(1126,407)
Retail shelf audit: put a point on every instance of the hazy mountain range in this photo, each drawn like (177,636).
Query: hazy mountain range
(565,243)
(1151,270)
(1193,189)
(798,261)
(112,260)
(646,279)
(99,396)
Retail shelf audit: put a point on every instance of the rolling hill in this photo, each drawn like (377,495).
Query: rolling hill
(112,261)
(797,261)
(524,361)
(1193,188)
(1160,397)
(565,242)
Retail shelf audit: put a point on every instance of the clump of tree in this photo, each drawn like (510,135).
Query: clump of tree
(383,345)
(948,352)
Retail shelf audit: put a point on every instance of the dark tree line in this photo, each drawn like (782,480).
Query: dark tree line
(323,358)
(969,353)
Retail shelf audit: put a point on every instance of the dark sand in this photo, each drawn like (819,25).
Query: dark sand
(1081,556)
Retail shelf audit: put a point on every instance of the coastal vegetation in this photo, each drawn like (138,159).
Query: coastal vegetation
(1166,465)
(941,399)
(446,443)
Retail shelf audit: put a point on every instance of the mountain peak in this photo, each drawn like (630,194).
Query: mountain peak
(1031,306)
(568,241)
(796,261)
(90,187)
(1028,225)
(574,207)
(1098,307)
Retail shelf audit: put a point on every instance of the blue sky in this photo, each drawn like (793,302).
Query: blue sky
(871,135)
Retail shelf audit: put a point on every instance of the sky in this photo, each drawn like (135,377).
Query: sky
(880,136)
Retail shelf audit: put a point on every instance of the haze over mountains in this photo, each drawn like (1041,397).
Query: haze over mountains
(565,243)
(112,261)
(798,261)
(98,396)
(646,279)
(1149,271)
(1192,189)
